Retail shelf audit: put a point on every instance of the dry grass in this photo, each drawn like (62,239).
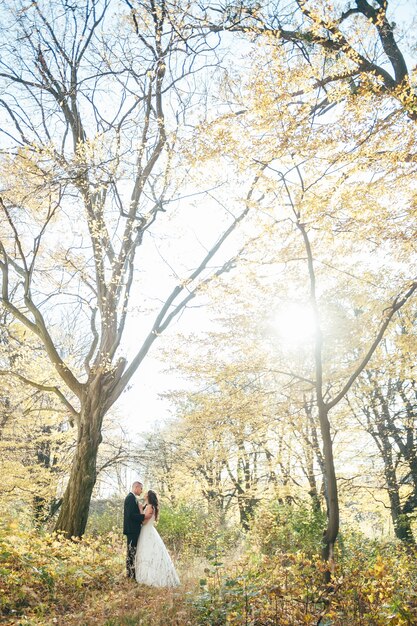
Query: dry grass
(129,604)
(122,602)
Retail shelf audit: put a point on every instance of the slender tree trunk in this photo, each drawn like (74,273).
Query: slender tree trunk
(329,474)
(244,511)
(312,451)
(313,491)
(332,501)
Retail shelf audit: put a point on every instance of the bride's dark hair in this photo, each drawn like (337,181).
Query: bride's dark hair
(153,500)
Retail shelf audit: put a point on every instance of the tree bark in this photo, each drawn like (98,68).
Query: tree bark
(332,500)
(312,452)
(400,520)
(72,519)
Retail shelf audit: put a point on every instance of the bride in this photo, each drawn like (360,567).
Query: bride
(153,564)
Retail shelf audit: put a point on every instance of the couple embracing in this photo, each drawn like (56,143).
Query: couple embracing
(147,560)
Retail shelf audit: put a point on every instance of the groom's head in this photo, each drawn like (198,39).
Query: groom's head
(137,488)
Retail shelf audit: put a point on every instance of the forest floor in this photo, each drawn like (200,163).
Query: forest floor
(128,604)
(46,580)
(124,604)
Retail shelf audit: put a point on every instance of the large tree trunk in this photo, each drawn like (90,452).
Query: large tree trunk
(410,505)
(400,520)
(72,519)
(246,510)
(382,427)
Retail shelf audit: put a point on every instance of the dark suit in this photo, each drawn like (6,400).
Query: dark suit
(132,523)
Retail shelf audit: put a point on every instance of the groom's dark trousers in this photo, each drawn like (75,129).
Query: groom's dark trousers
(132,522)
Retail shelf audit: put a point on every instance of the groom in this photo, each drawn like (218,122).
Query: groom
(132,522)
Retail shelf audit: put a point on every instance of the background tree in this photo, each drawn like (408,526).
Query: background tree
(364,36)
(384,403)
(304,169)
(36,441)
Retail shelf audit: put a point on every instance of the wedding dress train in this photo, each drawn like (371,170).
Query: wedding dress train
(153,564)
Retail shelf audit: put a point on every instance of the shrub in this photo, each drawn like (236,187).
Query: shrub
(38,570)
(374,584)
(287,528)
(187,530)
(105,516)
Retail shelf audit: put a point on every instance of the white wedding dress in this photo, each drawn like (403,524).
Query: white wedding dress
(153,564)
